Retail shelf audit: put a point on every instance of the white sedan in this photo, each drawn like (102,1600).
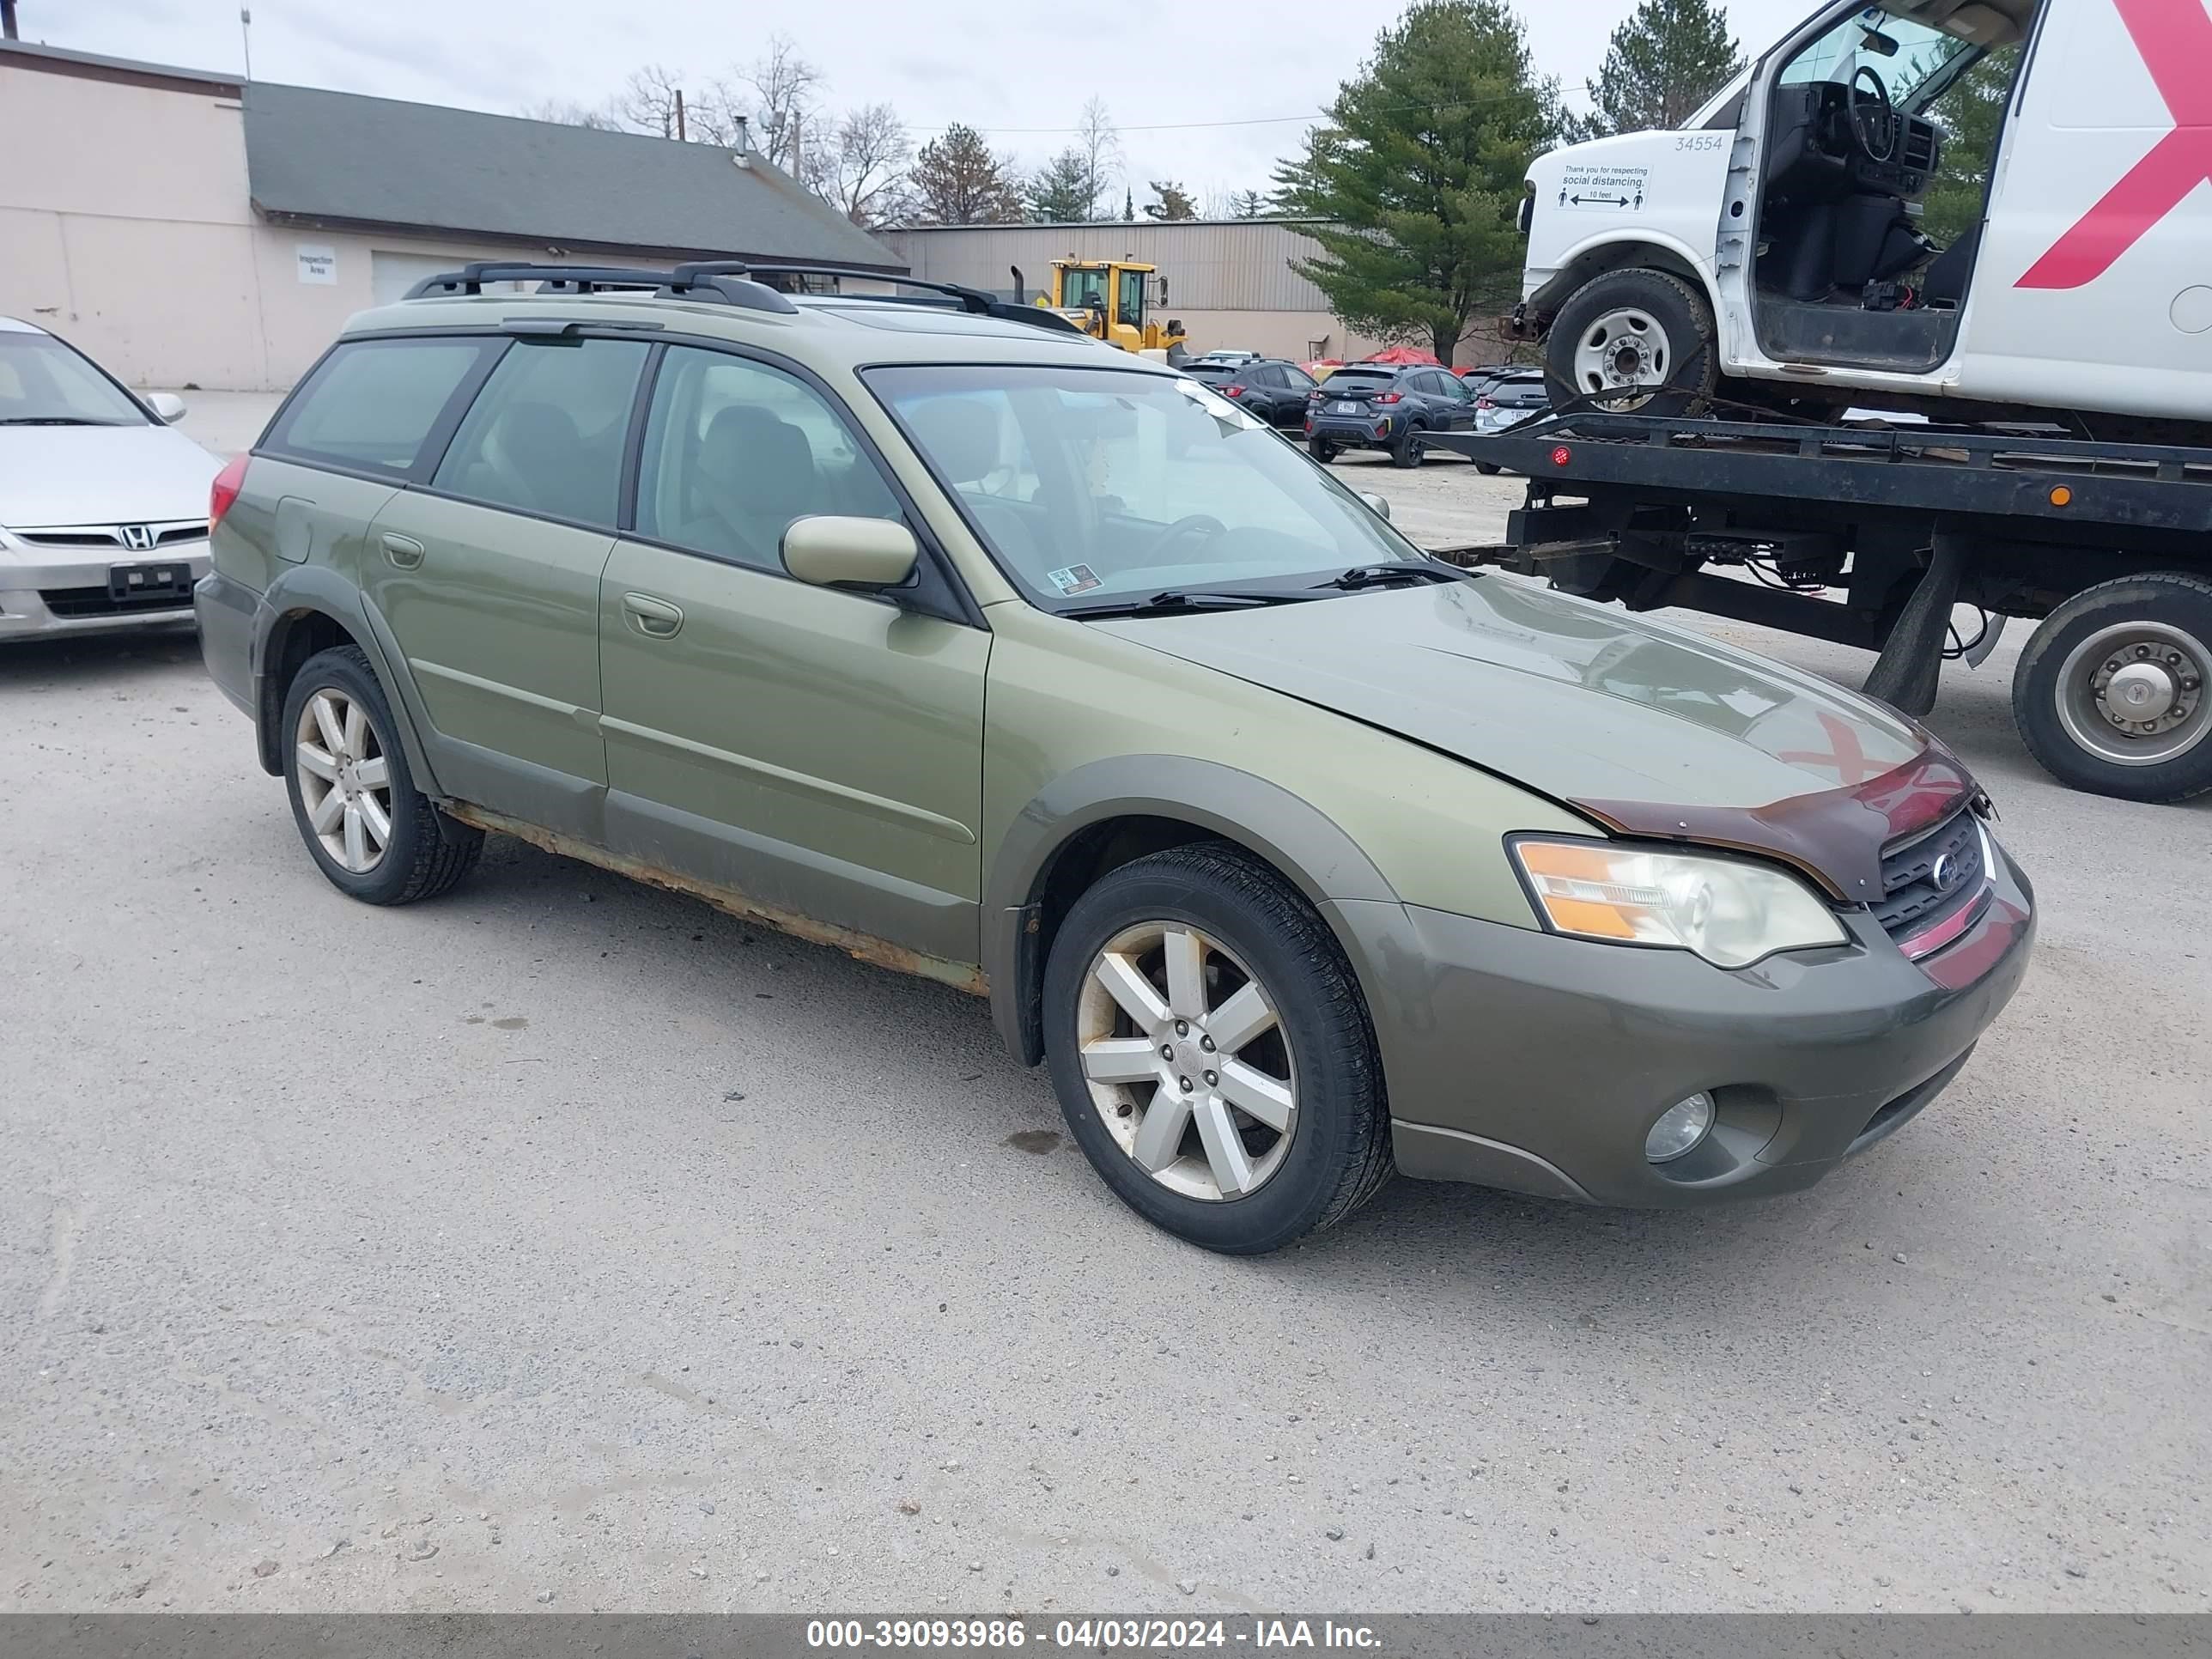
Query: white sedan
(103,508)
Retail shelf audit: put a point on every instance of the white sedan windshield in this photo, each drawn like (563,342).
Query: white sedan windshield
(44,383)
(1096,484)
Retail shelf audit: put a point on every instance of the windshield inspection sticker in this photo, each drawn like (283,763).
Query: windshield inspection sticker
(1615,187)
(1076,579)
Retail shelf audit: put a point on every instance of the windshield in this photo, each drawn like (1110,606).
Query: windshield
(1081,290)
(1092,484)
(46,383)
(1923,56)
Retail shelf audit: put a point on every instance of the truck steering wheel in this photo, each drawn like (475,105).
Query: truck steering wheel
(1865,125)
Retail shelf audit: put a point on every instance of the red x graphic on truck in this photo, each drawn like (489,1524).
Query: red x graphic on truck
(2175,40)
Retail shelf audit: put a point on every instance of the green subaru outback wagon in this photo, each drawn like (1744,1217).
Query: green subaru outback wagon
(995,655)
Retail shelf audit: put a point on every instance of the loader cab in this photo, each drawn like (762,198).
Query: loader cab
(1873,133)
(1110,300)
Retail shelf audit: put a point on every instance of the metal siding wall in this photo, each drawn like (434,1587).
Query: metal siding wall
(1211,266)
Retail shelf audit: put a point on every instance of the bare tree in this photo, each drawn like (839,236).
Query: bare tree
(568,113)
(861,171)
(1099,142)
(647,102)
(651,100)
(785,88)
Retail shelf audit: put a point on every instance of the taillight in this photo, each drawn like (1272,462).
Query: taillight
(224,491)
(1485,403)
(1388,398)
(1232,392)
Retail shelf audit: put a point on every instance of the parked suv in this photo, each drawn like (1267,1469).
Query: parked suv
(1375,406)
(1041,669)
(1274,390)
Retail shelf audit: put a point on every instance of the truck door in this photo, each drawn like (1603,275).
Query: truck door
(2092,288)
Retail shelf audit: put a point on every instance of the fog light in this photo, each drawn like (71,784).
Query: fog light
(1680,1128)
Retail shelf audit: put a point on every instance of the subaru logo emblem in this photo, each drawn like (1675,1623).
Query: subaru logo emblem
(1945,872)
(138,538)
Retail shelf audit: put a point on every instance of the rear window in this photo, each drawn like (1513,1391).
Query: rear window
(1210,371)
(373,404)
(1530,391)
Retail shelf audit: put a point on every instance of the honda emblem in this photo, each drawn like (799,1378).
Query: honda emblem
(138,538)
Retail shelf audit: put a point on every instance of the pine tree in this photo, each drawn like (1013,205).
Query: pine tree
(1970,111)
(1419,173)
(959,179)
(1665,61)
(1063,191)
(1173,202)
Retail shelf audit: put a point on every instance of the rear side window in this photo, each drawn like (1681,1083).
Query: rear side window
(546,434)
(373,403)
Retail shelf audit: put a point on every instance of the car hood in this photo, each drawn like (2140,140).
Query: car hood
(70,474)
(1650,729)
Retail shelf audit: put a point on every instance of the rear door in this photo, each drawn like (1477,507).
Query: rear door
(488,576)
(819,751)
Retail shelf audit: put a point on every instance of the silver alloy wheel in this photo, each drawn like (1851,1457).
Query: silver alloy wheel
(2135,693)
(1622,349)
(1187,1061)
(345,782)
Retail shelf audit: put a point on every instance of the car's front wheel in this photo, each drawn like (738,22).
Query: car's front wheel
(376,837)
(1211,1053)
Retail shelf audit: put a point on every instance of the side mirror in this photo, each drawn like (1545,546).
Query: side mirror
(1376,504)
(838,552)
(167,405)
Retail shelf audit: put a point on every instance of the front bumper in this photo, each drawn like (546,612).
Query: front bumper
(44,594)
(1537,1063)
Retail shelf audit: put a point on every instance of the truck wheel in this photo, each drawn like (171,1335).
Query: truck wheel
(1211,1051)
(1640,341)
(2113,694)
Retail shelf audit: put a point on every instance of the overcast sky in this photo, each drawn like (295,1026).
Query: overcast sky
(1010,67)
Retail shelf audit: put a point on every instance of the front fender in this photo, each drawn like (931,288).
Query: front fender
(1309,849)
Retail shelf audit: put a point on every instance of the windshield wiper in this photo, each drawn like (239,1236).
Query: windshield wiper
(1386,575)
(52,420)
(1178,600)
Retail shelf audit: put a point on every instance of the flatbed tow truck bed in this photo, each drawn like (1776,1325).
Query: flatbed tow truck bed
(1869,536)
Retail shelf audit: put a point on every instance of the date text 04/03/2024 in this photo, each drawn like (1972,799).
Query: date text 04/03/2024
(1097,1635)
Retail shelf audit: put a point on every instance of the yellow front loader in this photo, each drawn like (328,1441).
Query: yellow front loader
(1109,299)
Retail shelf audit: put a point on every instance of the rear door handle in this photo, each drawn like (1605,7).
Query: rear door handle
(656,619)
(403,551)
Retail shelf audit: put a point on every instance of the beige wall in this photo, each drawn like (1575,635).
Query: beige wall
(1291,334)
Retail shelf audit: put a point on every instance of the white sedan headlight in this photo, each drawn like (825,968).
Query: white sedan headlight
(1729,911)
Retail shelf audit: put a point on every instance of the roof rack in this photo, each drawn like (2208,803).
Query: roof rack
(975,301)
(723,283)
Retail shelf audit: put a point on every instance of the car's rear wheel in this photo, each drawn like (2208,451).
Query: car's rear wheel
(2113,694)
(1321,450)
(1633,342)
(376,837)
(1211,1053)
(1411,449)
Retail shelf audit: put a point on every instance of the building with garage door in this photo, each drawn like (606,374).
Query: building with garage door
(187,229)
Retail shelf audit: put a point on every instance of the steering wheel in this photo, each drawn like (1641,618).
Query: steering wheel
(1191,524)
(1863,118)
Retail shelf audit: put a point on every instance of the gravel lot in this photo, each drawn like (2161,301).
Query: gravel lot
(566,1242)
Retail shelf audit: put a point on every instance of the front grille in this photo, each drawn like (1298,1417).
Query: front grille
(77,602)
(107,535)
(1912,899)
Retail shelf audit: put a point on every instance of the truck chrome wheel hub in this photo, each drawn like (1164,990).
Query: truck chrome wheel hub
(2135,693)
(1622,349)
(1187,1061)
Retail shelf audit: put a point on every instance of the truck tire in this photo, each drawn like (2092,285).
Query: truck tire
(1629,329)
(2113,694)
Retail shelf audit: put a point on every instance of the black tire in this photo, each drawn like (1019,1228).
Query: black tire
(1691,368)
(1410,448)
(427,852)
(1321,450)
(1339,1151)
(1488,469)
(2043,686)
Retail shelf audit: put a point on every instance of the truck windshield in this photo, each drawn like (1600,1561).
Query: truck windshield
(1092,485)
(1925,57)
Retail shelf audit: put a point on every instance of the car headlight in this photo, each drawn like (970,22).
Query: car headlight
(1729,911)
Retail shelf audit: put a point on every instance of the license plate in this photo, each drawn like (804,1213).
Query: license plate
(148,584)
(1344,408)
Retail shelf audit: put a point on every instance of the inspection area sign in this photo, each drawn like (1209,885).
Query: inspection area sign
(1619,189)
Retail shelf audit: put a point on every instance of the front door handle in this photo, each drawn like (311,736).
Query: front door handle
(403,551)
(656,619)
